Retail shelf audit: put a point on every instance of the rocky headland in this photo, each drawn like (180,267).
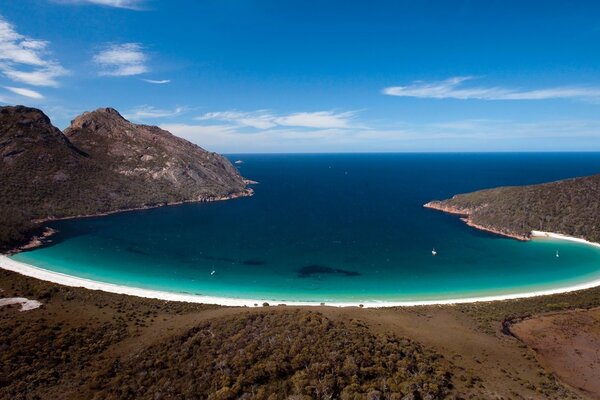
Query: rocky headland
(100,164)
(569,207)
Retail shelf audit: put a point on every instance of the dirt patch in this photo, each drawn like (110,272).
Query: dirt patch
(568,343)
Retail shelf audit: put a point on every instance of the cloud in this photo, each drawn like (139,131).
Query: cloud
(460,135)
(149,112)
(157,82)
(321,119)
(264,119)
(454,88)
(25,92)
(129,4)
(23,59)
(261,119)
(233,138)
(123,59)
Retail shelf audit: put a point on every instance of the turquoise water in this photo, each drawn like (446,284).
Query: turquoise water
(330,228)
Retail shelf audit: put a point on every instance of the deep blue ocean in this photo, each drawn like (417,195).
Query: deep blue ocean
(332,227)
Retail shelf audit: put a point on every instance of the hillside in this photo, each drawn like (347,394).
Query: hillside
(102,163)
(570,207)
(88,344)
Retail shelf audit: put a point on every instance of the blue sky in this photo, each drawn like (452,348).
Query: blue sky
(316,76)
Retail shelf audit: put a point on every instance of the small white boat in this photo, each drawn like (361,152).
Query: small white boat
(239,162)
(557,255)
(213,272)
(433,252)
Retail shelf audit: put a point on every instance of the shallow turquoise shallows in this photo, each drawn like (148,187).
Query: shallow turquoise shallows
(327,228)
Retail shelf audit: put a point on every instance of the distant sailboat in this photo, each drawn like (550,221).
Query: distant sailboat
(433,252)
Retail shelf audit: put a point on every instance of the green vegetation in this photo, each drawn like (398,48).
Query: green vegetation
(15,227)
(91,344)
(273,355)
(85,344)
(491,315)
(570,206)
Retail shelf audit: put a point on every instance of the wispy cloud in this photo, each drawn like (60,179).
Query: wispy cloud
(320,119)
(265,119)
(23,59)
(129,4)
(460,135)
(157,81)
(454,88)
(150,112)
(25,92)
(123,59)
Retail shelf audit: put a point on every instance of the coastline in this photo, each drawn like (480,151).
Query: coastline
(248,192)
(465,216)
(472,224)
(552,235)
(38,240)
(69,280)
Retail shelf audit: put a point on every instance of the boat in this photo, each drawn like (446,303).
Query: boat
(239,162)
(433,252)
(213,272)
(557,254)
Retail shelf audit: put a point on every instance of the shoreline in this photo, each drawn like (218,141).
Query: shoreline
(73,281)
(472,224)
(552,235)
(465,217)
(38,240)
(248,192)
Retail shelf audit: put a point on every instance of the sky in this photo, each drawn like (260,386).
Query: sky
(245,76)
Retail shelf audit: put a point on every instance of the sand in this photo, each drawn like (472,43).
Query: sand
(68,280)
(485,364)
(560,236)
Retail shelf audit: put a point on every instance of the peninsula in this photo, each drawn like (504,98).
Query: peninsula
(569,207)
(100,164)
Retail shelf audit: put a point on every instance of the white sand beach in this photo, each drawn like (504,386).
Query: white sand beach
(68,280)
(551,235)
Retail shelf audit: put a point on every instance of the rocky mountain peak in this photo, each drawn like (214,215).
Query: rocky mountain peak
(101,120)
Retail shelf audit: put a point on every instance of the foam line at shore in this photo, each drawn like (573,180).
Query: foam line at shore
(68,280)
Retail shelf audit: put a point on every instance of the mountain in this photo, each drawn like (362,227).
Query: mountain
(170,168)
(101,163)
(570,207)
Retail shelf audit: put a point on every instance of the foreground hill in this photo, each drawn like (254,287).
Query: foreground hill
(570,207)
(87,344)
(102,163)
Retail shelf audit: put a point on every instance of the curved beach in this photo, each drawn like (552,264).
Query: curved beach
(69,280)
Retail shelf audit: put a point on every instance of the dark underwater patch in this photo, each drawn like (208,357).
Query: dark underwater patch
(315,269)
(132,249)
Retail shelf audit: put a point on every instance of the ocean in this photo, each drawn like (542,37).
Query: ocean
(332,228)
